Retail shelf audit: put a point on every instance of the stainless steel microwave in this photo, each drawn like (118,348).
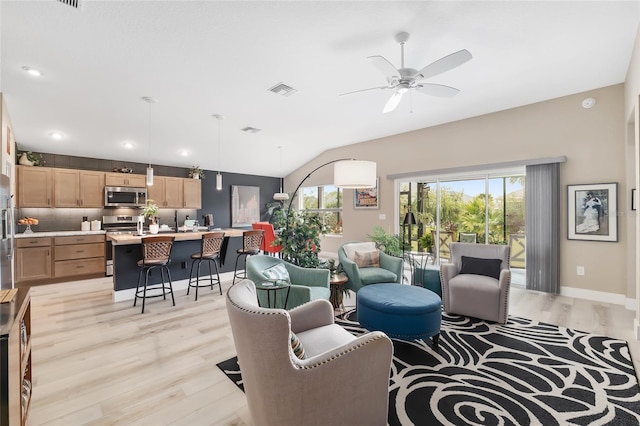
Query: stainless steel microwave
(120,196)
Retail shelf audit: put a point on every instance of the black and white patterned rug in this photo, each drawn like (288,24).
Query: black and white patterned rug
(520,373)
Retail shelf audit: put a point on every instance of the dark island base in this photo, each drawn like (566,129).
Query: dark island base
(126,257)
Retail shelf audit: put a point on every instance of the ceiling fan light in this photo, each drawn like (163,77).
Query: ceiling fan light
(351,174)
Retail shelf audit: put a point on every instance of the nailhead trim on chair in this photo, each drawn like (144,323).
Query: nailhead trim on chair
(295,360)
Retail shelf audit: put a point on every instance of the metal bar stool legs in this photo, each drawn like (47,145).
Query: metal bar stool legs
(211,279)
(156,253)
(164,286)
(210,247)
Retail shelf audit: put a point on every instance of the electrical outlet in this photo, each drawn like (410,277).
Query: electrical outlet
(580,270)
(382,216)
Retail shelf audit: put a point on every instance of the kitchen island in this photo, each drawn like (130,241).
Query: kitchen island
(127,251)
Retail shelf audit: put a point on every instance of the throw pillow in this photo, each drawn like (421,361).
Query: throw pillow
(368,259)
(350,249)
(480,266)
(298,350)
(277,272)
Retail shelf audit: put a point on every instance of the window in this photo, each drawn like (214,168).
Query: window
(326,201)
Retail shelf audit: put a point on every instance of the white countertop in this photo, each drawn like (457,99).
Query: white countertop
(36,234)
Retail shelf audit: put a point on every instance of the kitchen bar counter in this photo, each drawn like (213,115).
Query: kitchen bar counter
(127,251)
(124,239)
(58,234)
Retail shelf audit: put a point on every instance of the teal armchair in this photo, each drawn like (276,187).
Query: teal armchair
(306,283)
(389,271)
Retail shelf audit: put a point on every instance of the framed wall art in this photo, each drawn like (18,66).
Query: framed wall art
(592,211)
(366,198)
(245,205)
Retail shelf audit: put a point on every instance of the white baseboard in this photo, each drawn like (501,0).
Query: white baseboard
(128,294)
(600,296)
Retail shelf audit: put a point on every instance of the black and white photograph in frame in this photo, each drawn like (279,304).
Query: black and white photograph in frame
(592,211)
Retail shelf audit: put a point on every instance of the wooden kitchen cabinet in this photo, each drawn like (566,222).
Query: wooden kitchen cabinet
(125,179)
(78,188)
(192,193)
(79,255)
(35,186)
(33,259)
(167,192)
(15,359)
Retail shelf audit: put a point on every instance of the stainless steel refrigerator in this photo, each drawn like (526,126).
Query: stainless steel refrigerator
(6,240)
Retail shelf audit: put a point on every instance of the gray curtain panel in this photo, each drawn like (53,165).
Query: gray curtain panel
(543,227)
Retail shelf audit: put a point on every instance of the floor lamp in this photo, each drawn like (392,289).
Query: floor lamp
(409,219)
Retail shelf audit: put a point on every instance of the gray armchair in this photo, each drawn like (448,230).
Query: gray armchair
(342,380)
(478,285)
(389,270)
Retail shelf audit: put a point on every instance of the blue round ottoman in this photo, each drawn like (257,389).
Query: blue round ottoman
(400,311)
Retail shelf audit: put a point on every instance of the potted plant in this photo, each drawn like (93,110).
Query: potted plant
(30,159)
(299,235)
(150,210)
(388,243)
(196,172)
(426,241)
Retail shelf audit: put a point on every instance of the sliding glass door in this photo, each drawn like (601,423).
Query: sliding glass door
(488,209)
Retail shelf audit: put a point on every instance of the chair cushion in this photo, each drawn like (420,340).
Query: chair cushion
(350,249)
(367,259)
(480,266)
(319,293)
(377,275)
(322,339)
(296,345)
(277,272)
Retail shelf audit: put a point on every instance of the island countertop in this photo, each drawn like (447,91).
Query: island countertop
(123,239)
(57,234)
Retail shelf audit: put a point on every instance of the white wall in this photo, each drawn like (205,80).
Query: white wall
(592,139)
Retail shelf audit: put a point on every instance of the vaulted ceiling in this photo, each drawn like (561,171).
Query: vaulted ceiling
(200,58)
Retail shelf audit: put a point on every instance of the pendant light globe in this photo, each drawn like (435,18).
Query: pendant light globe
(219,175)
(150,101)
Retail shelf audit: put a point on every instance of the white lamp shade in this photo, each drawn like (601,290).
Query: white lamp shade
(149,176)
(350,174)
(280,196)
(219,181)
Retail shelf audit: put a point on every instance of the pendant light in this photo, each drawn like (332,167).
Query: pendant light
(150,101)
(280,196)
(219,175)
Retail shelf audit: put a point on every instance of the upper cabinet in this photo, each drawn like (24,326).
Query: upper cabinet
(78,188)
(175,193)
(125,179)
(56,187)
(192,194)
(35,186)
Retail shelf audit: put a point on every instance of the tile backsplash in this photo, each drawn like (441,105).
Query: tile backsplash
(70,219)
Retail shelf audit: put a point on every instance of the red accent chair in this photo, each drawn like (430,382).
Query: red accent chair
(267,246)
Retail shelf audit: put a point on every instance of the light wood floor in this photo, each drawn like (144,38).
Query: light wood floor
(97,362)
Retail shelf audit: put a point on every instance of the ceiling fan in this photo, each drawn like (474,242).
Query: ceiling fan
(404,79)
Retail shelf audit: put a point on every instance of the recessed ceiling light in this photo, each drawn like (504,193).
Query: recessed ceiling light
(55,135)
(128,145)
(184,153)
(32,71)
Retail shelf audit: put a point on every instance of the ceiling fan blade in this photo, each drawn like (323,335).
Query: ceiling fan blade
(447,63)
(365,90)
(437,90)
(393,101)
(385,66)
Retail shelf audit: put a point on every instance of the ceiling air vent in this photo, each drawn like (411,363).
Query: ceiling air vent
(73,3)
(249,129)
(283,89)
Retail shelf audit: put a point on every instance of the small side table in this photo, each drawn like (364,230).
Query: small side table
(336,282)
(273,287)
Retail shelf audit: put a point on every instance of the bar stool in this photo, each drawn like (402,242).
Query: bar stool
(156,253)
(251,243)
(210,246)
